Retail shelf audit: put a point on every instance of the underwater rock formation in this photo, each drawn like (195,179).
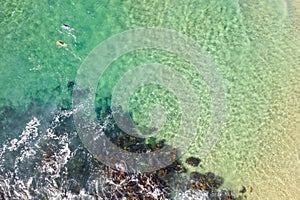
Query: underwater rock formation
(62,168)
(193,161)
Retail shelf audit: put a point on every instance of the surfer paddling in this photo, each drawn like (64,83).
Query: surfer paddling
(61,43)
(67,27)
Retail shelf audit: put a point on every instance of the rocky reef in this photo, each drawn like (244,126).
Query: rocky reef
(65,169)
(169,182)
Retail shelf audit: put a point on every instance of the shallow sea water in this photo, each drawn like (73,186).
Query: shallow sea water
(255,48)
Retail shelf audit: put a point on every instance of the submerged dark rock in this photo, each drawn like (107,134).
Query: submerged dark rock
(208,181)
(243,190)
(70,85)
(193,161)
(119,185)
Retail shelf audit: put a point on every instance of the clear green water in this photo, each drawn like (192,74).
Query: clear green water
(250,42)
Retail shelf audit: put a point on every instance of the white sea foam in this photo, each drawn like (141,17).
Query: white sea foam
(192,195)
(31,174)
(30,132)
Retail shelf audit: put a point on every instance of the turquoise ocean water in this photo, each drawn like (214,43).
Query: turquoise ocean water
(253,45)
